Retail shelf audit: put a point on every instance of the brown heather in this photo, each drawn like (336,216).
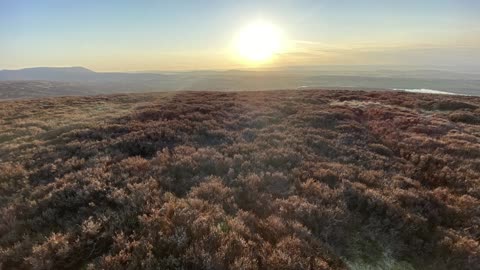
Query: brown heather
(245,180)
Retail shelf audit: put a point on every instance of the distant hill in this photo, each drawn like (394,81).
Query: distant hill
(48,73)
(232,80)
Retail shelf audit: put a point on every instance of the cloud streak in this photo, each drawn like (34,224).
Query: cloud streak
(305,52)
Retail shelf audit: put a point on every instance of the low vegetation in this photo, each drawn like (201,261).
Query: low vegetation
(241,180)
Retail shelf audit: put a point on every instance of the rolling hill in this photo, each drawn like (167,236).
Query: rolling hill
(71,80)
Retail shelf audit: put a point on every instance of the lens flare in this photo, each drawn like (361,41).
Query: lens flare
(258,42)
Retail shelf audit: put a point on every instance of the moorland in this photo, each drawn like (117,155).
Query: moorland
(310,179)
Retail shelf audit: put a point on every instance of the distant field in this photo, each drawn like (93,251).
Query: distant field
(301,179)
(41,89)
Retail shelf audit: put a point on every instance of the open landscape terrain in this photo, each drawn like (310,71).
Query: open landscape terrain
(78,81)
(304,179)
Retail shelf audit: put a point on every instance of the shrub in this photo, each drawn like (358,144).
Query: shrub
(244,180)
(465,117)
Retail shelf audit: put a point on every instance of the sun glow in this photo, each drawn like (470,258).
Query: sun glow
(258,42)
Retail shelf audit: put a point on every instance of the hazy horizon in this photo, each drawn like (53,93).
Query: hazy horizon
(192,35)
(332,68)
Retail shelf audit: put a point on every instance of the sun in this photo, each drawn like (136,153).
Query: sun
(258,42)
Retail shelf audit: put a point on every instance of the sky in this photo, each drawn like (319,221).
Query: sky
(143,35)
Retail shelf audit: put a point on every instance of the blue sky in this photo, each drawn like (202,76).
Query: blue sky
(162,35)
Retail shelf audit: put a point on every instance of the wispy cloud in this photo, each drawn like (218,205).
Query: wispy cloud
(305,52)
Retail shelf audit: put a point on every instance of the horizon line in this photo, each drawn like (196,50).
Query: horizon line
(266,68)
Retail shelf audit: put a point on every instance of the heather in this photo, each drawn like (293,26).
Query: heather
(241,180)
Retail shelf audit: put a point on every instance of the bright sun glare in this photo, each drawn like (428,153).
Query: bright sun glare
(258,42)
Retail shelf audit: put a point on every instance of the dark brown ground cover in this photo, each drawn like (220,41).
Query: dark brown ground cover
(245,180)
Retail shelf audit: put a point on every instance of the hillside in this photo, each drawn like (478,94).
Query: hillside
(47,73)
(41,89)
(241,180)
